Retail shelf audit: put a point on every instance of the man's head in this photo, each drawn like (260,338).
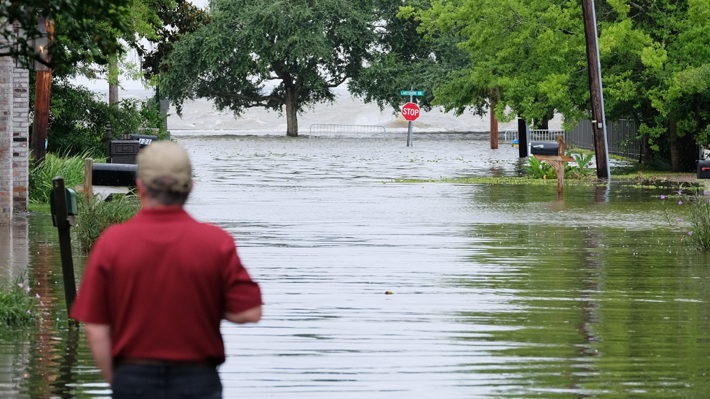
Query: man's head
(164,174)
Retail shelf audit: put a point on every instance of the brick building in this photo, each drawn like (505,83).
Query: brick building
(14,138)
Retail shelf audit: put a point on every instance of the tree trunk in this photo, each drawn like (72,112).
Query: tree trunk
(113,80)
(291,112)
(675,154)
(494,123)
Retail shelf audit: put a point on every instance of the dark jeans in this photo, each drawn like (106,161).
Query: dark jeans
(165,382)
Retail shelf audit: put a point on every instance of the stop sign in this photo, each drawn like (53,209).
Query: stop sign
(410,111)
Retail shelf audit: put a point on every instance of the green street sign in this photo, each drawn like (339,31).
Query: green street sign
(417,93)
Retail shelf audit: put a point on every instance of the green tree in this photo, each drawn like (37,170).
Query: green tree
(654,55)
(78,36)
(403,57)
(305,47)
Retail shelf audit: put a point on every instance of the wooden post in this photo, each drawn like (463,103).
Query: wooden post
(41,117)
(63,226)
(558,163)
(88,176)
(494,123)
(595,89)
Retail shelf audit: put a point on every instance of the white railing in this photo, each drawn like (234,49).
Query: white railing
(536,135)
(331,130)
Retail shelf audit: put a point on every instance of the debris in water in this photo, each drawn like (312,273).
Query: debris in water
(388,292)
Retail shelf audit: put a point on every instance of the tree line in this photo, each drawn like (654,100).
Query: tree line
(528,56)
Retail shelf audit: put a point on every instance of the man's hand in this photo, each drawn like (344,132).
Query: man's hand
(248,316)
(99,337)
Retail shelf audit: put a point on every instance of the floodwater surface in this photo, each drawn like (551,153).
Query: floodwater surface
(498,291)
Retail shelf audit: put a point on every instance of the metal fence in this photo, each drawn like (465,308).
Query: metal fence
(536,135)
(328,130)
(620,136)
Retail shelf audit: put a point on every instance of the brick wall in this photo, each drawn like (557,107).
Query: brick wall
(20,138)
(7,66)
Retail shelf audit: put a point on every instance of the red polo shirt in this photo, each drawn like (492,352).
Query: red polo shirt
(163,282)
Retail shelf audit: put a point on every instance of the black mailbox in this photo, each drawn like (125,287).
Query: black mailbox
(113,174)
(124,151)
(144,139)
(703,169)
(544,148)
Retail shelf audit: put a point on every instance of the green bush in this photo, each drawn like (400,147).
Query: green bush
(543,170)
(78,118)
(695,224)
(17,307)
(71,168)
(96,215)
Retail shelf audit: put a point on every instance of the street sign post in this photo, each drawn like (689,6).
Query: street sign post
(410,111)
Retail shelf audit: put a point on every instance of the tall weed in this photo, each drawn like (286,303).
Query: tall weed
(95,216)
(71,168)
(17,307)
(695,224)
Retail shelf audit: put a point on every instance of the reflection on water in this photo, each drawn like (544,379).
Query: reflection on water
(499,291)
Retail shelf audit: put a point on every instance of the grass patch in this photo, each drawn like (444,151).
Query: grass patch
(695,225)
(70,168)
(498,180)
(39,207)
(95,216)
(17,307)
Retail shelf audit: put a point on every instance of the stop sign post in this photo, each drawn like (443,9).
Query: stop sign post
(410,111)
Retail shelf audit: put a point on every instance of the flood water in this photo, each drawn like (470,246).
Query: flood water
(499,291)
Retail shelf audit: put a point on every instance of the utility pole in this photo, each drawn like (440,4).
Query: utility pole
(42,89)
(595,89)
(494,122)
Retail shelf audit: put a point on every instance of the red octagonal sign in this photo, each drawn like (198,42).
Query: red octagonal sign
(410,111)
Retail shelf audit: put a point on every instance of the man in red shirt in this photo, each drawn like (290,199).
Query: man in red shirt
(157,287)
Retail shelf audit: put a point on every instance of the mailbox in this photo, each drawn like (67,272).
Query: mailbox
(113,174)
(544,148)
(72,204)
(124,151)
(703,169)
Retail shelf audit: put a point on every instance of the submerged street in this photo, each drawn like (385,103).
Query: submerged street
(497,290)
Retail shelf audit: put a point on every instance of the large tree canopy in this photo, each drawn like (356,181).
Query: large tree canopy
(403,57)
(654,56)
(304,48)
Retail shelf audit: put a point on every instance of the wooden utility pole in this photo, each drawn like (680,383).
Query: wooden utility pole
(42,89)
(595,89)
(494,122)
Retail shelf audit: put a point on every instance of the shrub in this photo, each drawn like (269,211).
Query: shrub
(17,307)
(78,118)
(695,224)
(71,168)
(96,215)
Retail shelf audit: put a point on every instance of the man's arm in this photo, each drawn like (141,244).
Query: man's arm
(248,316)
(99,337)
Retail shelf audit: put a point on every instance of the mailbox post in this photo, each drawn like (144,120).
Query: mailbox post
(63,211)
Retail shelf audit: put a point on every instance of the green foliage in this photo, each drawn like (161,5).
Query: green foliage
(537,169)
(71,168)
(17,307)
(654,59)
(79,28)
(78,119)
(403,57)
(307,46)
(583,164)
(543,170)
(696,229)
(96,215)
